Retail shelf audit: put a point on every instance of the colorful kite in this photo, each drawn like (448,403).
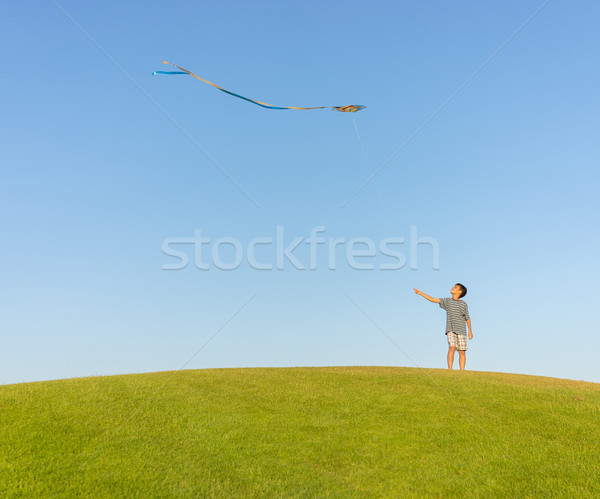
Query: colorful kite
(342,109)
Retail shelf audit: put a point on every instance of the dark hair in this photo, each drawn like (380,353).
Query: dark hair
(463,289)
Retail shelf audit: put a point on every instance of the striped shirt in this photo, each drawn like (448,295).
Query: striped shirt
(457,314)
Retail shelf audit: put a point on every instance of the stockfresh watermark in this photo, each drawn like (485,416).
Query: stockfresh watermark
(282,251)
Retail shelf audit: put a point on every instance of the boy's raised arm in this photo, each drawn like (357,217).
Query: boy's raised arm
(427,297)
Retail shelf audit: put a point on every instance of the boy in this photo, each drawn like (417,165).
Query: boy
(457,313)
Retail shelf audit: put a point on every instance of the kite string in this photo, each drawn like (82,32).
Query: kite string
(362,146)
(364,153)
(356,128)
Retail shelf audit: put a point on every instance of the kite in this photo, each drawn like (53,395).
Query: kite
(341,109)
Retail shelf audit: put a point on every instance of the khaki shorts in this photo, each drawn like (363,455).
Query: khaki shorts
(457,340)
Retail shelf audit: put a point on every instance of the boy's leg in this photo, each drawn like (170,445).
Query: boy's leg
(462,359)
(451,351)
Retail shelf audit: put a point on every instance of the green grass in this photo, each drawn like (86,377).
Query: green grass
(301,432)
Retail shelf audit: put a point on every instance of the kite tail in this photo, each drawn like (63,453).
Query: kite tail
(343,109)
(168,73)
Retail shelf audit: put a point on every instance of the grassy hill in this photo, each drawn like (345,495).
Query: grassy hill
(301,432)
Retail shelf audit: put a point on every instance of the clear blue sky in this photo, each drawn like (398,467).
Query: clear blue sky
(95,177)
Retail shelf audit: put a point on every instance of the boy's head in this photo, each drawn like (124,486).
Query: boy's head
(459,289)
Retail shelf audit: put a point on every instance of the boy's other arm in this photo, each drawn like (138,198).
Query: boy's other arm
(470,332)
(427,297)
